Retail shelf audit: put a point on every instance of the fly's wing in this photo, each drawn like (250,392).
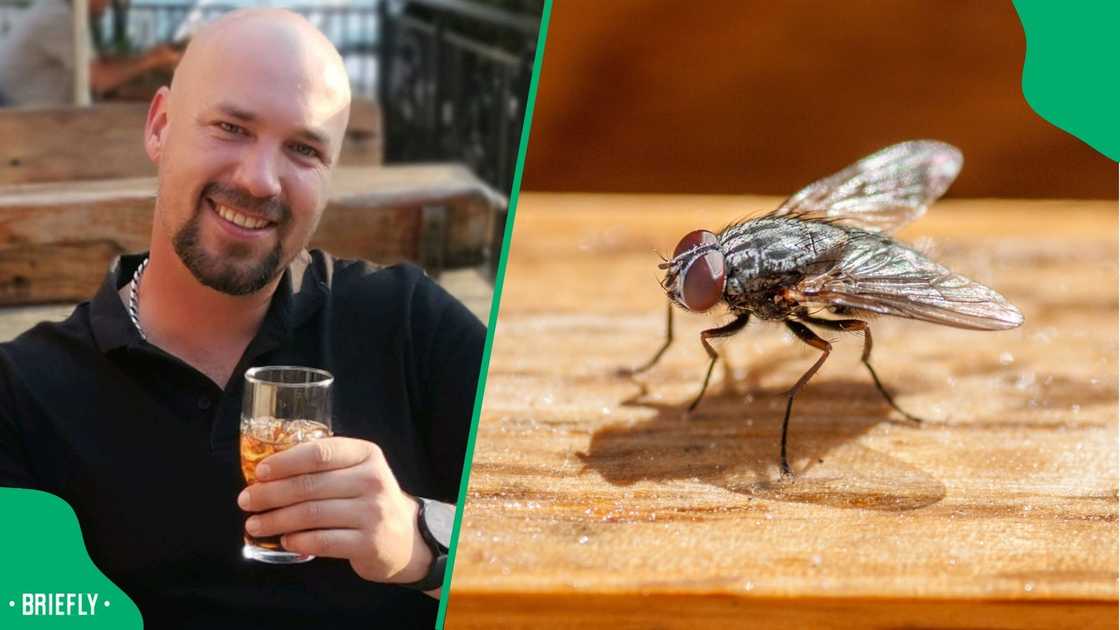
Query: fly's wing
(883,191)
(876,274)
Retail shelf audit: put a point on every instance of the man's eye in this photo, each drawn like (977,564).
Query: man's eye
(305,150)
(230,128)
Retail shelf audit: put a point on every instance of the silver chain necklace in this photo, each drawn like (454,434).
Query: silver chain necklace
(134,300)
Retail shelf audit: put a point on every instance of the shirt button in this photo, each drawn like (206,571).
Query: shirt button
(204,403)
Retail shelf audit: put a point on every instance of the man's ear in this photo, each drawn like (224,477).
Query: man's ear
(155,129)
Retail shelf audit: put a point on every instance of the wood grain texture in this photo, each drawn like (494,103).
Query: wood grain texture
(56,240)
(594,503)
(62,144)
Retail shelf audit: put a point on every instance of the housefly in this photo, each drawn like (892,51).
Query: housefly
(827,249)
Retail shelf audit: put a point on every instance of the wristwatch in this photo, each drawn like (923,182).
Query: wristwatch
(434,520)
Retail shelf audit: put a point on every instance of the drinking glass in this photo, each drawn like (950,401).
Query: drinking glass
(283,406)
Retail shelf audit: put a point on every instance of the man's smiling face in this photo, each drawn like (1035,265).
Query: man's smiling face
(254,123)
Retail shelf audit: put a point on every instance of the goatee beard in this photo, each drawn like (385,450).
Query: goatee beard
(222,273)
(219,274)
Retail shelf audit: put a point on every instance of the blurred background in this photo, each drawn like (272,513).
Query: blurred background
(751,96)
(451,76)
(440,91)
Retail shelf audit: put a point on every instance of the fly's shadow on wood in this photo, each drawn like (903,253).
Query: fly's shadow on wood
(731,441)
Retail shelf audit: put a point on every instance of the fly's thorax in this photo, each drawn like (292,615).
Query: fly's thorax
(777,246)
(766,258)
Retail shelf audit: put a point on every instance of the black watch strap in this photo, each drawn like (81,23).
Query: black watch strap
(434,520)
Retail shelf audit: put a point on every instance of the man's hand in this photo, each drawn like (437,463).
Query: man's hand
(337,498)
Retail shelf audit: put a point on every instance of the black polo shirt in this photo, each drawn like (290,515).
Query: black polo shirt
(144,446)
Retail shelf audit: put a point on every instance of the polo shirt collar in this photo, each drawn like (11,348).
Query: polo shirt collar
(299,295)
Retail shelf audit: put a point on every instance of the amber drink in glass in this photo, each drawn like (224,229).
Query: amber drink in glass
(283,406)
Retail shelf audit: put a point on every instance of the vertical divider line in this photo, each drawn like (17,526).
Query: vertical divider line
(495,304)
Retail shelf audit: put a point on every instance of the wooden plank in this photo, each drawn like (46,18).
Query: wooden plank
(365,143)
(687,611)
(56,239)
(66,143)
(594,503)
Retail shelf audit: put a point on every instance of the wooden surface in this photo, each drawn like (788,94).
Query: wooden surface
(594,503)
(106,141)
(56,239)
(737,96)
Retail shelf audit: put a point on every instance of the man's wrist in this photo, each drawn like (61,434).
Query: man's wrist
(430,545)
(421,558)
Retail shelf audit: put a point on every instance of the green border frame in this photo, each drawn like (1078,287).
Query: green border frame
(495,305)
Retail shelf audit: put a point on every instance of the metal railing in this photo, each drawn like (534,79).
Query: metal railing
(455,84)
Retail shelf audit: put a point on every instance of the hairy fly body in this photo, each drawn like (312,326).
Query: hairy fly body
(827,249)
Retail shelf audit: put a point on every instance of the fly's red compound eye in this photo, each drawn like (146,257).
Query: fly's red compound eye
(693,239)
(704,276)
(703,282)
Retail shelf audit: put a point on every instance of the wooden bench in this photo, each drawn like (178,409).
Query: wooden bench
(63,144)
(77,189)
(57,239)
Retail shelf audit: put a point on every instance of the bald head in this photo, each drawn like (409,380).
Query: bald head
(271,52)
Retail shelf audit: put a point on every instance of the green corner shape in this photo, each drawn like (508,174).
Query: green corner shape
(1070,74)
(46,570)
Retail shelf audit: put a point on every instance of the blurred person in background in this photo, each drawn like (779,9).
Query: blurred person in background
(37,58)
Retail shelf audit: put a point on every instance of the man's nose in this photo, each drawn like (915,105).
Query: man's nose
(257,172)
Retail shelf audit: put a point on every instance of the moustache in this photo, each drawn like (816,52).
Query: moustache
(270,208)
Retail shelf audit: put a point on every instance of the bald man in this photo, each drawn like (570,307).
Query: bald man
(129,409)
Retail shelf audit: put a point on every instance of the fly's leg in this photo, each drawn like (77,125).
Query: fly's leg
(723,331)
(665,346)
(853,325)
(804,334)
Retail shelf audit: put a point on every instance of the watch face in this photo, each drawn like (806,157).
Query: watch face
(439,518)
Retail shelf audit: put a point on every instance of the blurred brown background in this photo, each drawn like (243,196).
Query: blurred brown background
(749,96)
